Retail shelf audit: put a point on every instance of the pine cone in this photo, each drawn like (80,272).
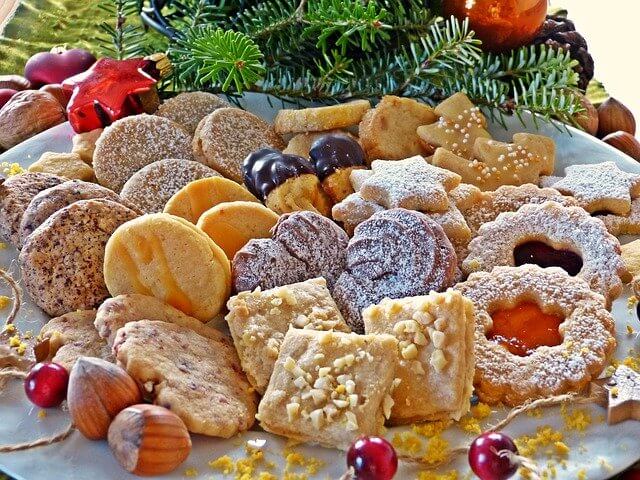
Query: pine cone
(560,32)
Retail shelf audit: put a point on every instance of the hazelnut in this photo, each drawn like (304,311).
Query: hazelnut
(588,119)
(98,391)
(63,96)
(614,117)
(625,142)
(14,82)
(149,440)
(28,113)
(150,100)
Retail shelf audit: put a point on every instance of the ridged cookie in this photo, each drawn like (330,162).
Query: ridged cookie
(61,262)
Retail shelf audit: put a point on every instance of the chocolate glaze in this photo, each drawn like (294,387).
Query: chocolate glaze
(334,151)
(268,168)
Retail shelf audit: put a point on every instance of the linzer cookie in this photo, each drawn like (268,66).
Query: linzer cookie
(334,157)
(286,183)
(303,245)
(514,365)
(551,235)
(396,253)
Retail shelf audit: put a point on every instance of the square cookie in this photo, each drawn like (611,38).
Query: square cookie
(259,320)
(435,351)
(330,387)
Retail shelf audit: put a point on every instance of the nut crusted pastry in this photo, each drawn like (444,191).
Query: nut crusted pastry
(330,387)
(259,320)
(587,333)
(197,377)
(435,349)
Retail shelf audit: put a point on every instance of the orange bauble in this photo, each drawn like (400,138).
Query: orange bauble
(500,24)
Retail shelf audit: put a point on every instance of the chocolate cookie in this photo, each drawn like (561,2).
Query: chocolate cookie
(15,195)
(61,261)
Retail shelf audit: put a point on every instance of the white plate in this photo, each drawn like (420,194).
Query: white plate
(77,458)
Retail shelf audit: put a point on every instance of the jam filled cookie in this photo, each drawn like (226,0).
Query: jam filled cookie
(259,320)
(334,157)
(330,387)
(72,336)
(231,225)
(134,142)
(16,193)
(196,376)
(286,183)
(551,235)
(195,198)
(152,186)
(225,137)
(388,131)
(435,351)
(49,201)
(61,261)
(539,333)
(320,119)
(188,108)
(168,258)
(303,245)
(396,253)
(458,127)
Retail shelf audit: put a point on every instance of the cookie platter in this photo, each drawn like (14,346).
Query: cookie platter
(594,449)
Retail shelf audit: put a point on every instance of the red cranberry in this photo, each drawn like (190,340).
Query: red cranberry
(633,474)
(539,253)
(46,384)
(488,458)
(372,458)
(5,95)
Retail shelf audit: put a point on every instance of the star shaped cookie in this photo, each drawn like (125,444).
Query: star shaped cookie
(460,124)
(411,183)
(619,394)
(600,187)
(498,163)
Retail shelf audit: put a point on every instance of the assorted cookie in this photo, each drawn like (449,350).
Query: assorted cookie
(84,144)
(188,108)
(67,165)
(320,119)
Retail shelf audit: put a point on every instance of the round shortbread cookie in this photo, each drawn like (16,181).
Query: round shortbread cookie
(169,258)
(227,136)
(49,201)
(61,261)
(231,225)
(134,142)
(188,108)
(197,197)
(152,186)
(15,195)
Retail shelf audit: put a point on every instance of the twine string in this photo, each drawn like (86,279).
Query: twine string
(40,442)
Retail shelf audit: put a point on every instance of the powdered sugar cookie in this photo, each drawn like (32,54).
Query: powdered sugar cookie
(151,187)
(188,108)
(16,193)
(169,258)
(61,261)
(134,142)
(197,377)
(628,224)
(225,137)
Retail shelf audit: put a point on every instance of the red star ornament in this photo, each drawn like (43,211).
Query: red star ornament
(107,92)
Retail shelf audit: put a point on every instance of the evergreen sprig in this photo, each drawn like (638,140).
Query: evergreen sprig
(124,39)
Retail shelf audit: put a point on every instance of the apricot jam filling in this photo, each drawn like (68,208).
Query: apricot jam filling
(524,328)
(543,255)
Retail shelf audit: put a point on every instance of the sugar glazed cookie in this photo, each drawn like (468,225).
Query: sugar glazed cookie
(197,377)
(152,186)
(16,193)
(569,229)
(134,142)
(396,253)
(188,108)
(49,201)
(286,183)
(169,258)
(330,387)
(259,320)
(303,245)
(225,137)
(584,343)
(61,261)
(435,350)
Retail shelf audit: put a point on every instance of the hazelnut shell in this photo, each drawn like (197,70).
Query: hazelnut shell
(625,142)
(613,117)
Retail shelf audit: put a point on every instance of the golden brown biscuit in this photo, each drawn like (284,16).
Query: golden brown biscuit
(169,258)
(68,165)
(300,144)
(320,119)
(84,144)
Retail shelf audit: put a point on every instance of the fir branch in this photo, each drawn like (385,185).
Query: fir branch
(123,39)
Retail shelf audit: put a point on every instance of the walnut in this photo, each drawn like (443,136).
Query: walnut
(28,113)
